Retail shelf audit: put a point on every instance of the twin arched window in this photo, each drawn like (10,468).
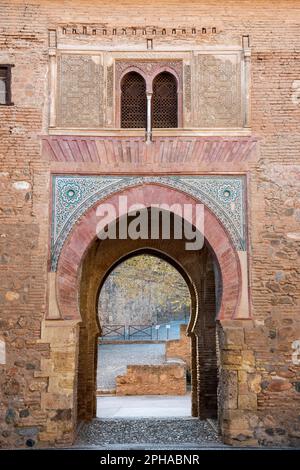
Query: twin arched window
(164,108)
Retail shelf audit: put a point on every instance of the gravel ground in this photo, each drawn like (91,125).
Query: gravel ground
(147,433)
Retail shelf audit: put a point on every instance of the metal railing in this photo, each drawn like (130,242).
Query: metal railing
(140,332)
(113,332)
(160,331)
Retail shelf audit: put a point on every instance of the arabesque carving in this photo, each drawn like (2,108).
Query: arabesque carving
(217,83)
(80,91)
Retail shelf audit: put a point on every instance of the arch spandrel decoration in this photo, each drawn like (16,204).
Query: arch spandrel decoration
(72,196)
(234,301)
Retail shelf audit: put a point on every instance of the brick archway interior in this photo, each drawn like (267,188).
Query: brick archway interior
(198,269)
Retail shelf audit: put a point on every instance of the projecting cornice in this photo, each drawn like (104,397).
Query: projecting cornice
(172,153)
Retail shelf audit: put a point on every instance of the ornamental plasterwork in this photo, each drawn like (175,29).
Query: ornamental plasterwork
(217,99)
(150,69)
(72,196)
(80,91)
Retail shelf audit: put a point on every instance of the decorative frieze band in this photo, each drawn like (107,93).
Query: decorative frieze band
(72,196)
(134,150)
(153,31)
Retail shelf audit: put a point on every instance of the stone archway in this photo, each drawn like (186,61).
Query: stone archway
(84,233)
(64,305)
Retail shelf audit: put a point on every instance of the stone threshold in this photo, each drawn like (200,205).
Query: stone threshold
(129,341)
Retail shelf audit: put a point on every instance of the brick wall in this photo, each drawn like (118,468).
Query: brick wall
(180,348)
(159,379)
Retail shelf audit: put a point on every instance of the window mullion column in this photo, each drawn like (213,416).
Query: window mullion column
(149,119)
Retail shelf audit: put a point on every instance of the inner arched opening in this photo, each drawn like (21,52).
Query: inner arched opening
(199,270)
(143,310)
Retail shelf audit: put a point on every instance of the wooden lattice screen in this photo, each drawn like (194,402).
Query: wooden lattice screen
(133,101)
(164,101)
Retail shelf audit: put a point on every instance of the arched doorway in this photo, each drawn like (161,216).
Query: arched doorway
(165,101)
(79,254)
(198,269)
(133,101)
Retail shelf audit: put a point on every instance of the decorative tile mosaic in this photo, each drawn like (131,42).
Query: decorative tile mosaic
(73,195)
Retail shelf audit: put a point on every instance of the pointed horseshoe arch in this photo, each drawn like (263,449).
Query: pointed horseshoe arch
(84,233)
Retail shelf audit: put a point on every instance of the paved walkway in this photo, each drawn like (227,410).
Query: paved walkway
(157,406)
(114,358)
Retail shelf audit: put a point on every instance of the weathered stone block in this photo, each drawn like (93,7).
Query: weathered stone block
(63,361)
(37,386)
(242,376)
(231,338)
(248,358)
(247,402)
(228,389)
(52,401)
(232,358)
(254,382)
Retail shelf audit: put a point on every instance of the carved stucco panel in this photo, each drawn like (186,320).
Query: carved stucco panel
(217,91)
(80,91)
(187,88)
(109,94)
(149,69)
